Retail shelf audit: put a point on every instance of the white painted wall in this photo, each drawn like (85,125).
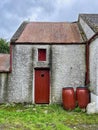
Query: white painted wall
(67,69)
(94,98)
(94,71)
(3,87)
(21,80)
(94,66)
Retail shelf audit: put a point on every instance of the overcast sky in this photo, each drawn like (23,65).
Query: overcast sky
(14,12)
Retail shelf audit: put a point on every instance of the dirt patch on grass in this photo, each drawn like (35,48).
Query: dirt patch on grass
(73,127)
(13,127)
(84,127)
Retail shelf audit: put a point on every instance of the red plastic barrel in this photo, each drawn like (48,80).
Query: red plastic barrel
(68,98)
(82,96)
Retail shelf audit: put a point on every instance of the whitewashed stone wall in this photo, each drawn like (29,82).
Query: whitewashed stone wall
(86,28)
(67,69)
(94,66)
(93,62)
(21,80)
(94,71)
(3,87)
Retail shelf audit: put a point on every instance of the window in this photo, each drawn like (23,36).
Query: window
(41,54)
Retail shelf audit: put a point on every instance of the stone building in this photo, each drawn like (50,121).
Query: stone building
(47,56)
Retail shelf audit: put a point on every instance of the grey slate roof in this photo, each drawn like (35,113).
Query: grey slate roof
(91,20)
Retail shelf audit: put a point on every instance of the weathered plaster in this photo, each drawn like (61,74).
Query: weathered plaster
(94,72)
(94,66)
(3,87)
(68,69)
(20,80)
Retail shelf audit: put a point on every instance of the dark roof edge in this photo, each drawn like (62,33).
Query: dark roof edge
(19,31)
(47,43)
(4,71)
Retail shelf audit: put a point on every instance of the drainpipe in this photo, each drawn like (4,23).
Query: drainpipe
(87,79)
(10,57)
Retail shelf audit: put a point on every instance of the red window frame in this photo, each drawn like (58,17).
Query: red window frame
(41,54)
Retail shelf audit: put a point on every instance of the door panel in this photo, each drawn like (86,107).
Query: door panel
(42,85)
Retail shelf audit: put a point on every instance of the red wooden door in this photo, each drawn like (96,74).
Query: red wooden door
(42,85)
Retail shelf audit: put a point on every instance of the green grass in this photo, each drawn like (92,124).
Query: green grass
(44,117)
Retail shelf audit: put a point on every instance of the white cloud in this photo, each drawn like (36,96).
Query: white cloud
(36,14)
(13,12)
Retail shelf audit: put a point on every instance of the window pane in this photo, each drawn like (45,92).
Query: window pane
(41,54)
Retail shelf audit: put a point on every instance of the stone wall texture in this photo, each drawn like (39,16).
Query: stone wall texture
(93,61)
(67,69)
(20,79)
(94,66)
(3,87)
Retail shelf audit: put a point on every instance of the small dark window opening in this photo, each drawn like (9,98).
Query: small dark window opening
(41,54)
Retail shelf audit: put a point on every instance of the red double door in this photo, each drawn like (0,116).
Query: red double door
(42,86)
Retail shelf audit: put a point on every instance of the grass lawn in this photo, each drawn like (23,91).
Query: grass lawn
(45,117)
